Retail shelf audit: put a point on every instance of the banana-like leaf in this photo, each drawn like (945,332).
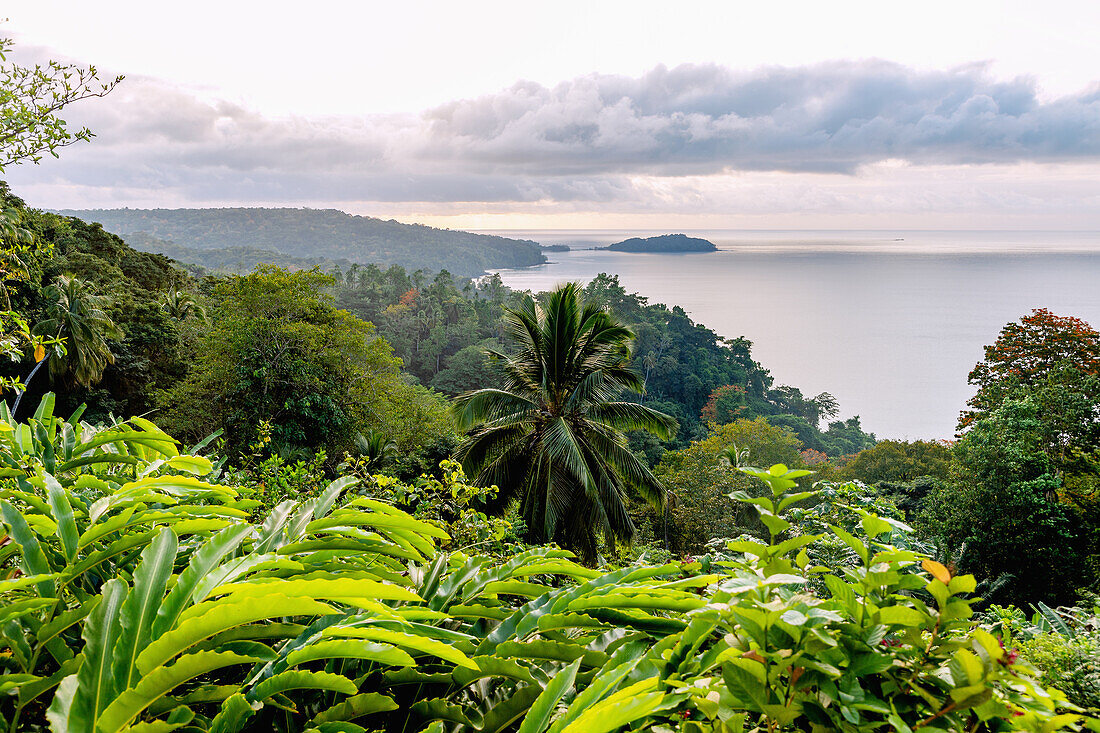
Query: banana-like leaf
(301,680)
(440,709)
(63,515)
(33,560)
(202,562)
(140,609)
(407,641)
(96,687)
(217,616)
(503,716)
(327,588)
(194,465)
(538,717)
(625,707)
(234,714)
(366,703)
(385,654)
(159,682)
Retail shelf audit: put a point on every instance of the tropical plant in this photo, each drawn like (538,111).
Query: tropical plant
(552,437)
(181,306)
(136,598)
(375,448)
(78,317)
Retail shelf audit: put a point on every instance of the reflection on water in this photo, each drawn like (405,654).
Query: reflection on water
(889,322)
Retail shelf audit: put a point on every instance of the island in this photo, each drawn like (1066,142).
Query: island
(664,243)
(555,247)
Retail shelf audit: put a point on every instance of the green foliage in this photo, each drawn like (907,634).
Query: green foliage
(698,482)
(1071,665)
(78,317)
(552,437)
(279,351)
(324,233)
(1040,346)
(451,502)
(144,601)
(30,100)
(1004,498)
(130,286)
(899,461)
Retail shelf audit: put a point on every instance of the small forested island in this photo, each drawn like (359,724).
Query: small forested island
(664,243)
(555,247)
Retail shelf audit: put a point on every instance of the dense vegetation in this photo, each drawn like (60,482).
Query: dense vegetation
(322,233)
(317,561)
(231,260)
(154,603)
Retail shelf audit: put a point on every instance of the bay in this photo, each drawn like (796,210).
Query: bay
(890,323)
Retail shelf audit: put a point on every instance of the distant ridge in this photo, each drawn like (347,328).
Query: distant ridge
(318,235)
(664,243)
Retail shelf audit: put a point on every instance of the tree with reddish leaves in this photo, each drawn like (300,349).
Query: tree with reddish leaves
(1029,354)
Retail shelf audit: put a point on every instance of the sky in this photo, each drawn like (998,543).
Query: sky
(584,114)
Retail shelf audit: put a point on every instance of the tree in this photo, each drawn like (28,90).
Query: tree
(78,317)
(699,479)
(899,460)
(280,352)
(552,436)
(1004,509)
(1029,353)
(181,306)
(30,99)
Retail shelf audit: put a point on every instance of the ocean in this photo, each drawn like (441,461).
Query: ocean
(889,322)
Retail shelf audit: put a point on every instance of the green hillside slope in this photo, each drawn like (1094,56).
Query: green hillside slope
(317,233)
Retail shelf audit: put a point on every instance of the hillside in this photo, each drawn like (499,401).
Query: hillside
(327,234)
(233,260)
(664,243)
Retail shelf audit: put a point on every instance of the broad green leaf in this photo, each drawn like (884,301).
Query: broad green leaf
(385,654)
(194,465)
(217,616)
(301,680)
(538,717)
(366,703)
(140,609)
(63,515)
(33,560)
(405,641)
(159,682)
(233,715)
(96,686)
(901,616)
(624,708)
(202,562)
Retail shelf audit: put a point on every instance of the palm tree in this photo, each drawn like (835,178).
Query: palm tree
(181,306)
(376,448)
(77,315)
(552,437)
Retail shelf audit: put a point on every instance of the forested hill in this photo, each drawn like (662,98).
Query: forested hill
(229,260)
(321,233)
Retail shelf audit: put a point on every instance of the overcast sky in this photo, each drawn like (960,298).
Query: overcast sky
(585,114)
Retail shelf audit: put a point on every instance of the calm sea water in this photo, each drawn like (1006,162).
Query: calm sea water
(890,323)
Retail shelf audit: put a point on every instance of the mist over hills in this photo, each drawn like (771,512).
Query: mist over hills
(319,235)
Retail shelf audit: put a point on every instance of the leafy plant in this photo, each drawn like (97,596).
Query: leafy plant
(137,596)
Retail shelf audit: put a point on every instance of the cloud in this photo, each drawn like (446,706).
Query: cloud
(832,117)
(600,140)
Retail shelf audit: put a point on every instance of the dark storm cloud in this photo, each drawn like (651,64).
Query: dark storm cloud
(581,140)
